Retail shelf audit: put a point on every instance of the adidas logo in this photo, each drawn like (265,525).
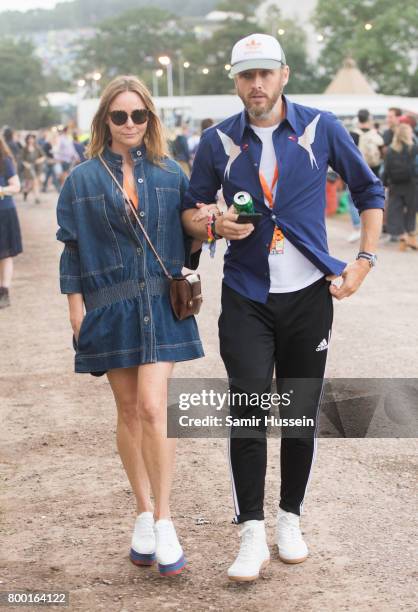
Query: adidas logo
(322,346)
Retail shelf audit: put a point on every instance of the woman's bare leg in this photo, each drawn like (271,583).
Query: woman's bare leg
(36,188)
(6,272)
(129,435)
(158,450)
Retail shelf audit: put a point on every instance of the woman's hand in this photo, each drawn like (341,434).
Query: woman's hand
(76,325)
(205,211)
(76,309)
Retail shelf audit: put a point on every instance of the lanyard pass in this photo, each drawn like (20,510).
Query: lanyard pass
(277,243)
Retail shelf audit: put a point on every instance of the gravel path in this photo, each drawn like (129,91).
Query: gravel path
(67,512)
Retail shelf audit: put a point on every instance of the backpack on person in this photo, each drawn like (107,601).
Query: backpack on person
(400,166)
(369,145)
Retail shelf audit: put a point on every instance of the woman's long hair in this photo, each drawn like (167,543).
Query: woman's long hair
(402,136)
(154,138)
(4,153)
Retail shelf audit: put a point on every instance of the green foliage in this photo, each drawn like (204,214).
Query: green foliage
(384,53)
(304,77)
(20,73)
(88,13)
(54,82)
(132,43)
(215,53)
(245,7)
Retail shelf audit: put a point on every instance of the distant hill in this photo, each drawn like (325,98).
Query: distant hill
(88,13)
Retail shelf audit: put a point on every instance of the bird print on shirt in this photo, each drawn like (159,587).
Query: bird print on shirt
(231,149)
(308,138)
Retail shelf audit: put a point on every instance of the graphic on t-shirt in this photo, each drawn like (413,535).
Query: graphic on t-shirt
(308,138)
(231,149)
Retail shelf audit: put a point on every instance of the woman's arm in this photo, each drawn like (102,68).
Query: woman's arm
(12,188)
(70,269)
(41,158)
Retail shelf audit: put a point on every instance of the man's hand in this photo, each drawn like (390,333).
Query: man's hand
(227,227)
(195,223)
(353,275)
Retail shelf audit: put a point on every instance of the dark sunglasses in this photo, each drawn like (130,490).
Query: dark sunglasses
(120,117)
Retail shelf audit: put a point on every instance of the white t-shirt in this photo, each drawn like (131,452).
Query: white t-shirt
(290,270)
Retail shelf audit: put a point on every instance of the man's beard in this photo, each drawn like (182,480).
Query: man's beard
(256,112)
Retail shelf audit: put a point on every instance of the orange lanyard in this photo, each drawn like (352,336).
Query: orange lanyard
(276,245)
(268,191)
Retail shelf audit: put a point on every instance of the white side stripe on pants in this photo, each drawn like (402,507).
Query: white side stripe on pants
(316,431)
(234,492)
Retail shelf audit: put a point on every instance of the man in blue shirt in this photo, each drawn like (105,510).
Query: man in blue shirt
(277,293)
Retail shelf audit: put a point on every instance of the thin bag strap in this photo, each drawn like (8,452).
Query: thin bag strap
(132,207)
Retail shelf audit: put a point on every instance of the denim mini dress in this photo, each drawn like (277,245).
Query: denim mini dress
(129,320)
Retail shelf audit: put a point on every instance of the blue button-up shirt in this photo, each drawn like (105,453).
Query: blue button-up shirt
(306,142)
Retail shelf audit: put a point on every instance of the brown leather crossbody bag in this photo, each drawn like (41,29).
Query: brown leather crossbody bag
(185,290)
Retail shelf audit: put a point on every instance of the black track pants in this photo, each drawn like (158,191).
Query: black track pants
(290,333)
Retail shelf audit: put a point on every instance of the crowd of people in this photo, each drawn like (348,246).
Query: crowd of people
(44,159)
(392,155)
(29,163)
(184,142)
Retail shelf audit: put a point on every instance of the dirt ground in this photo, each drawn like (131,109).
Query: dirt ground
(66,509)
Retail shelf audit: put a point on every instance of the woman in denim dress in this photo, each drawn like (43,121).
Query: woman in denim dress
(118,296)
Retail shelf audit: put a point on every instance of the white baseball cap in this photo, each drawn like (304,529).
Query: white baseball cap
(256,51)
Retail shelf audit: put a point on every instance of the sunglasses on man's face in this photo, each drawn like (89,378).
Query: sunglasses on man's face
(120,117)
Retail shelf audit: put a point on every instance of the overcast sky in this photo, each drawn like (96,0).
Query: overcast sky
(25,5)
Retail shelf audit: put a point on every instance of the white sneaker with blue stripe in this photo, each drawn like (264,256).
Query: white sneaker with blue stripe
(169,553)
(143,540)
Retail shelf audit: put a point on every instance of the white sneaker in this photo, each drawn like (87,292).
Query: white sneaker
(143,540)
(292,547)
(354,236)
(169,553)
(253,553)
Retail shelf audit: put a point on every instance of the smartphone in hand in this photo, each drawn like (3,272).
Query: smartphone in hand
(253,218)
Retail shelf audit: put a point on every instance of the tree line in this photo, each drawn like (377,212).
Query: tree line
(132,41)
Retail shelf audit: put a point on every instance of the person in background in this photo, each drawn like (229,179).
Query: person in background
(194,140)
(368,140)
(66,154)
(10,237)
(41,139)
(12,141)
(370,143)
(33,159)
(181,151)
(50,163)
(80,147)
(411,120)
(399,177)
(392,120)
